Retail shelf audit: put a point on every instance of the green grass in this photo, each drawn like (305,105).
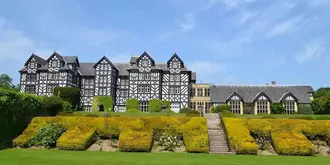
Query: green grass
(287,116)
(55,157)
(101,114)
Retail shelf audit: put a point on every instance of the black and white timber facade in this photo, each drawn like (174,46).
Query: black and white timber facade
(142,78)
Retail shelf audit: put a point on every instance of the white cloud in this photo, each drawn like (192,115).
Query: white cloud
(313,49)
(188,23)
(246,16)
(15,45)
(207,70)
(284,27)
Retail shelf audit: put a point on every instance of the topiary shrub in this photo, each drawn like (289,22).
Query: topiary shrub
(132,104)
(47,135)
(155,105)
(135,141)
(277,108)
(106,101)
(53,105)
(69,94)
(220,108)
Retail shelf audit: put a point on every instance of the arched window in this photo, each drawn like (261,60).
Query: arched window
(289,104)
(262,104)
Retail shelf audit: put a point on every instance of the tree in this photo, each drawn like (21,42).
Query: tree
(6,81)
(321,102)
(277,108)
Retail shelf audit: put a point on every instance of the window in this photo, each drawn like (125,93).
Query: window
(103,79)
(51,87)
(175,65)
(54,63)
(32,65)
(123,82)
(289,107)
(144,63)
(175,106)
(262,107)
(141,76)
(56,75)
(174,77)
(147,76)
(50,76)
(31,77)
(147,89)
(88,108)
(192,92)
(207,92)
(199,92)
(102,91)
(193,105)
(140,89)
(88,92)
(143,106)
(171,77)
(235,107)
(177,90)
(30,89)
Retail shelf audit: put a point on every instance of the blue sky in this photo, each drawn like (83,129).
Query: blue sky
(224,41)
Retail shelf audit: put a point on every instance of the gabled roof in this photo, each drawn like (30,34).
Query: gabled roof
(259,95)
(288,94)
(146,54)
(105,58)
(71,59)
(38,59)
(58,56)
(175,56)
(219,93)
(234,94)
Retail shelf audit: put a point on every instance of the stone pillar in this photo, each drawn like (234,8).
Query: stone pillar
(268,107)
(242,108)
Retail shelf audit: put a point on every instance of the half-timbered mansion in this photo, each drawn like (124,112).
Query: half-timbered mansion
(141,78)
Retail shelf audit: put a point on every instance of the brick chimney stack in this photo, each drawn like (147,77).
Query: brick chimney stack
(273,82)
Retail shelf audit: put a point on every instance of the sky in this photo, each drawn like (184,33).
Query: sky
(225,41)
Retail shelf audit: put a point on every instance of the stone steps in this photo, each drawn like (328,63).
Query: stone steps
(217,138)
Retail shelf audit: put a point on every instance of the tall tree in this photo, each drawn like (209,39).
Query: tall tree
(6,81)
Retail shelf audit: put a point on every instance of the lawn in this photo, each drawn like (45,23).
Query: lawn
(52,157)
(101,114)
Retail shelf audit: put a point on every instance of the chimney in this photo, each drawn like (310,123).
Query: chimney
(273,82)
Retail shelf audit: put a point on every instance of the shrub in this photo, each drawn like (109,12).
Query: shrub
(304,109)
(53,105)
(239,136)
(69,94)
(135,141)
(77,138)
(303,117)
(47,135)
(186,110)
(16,111)
(193,114)
(259,127)
(195,135)
(277,108)
(132,104)
(268,117)
(227,114)
(291,143)
(220,108)
(106,101)
(133,110)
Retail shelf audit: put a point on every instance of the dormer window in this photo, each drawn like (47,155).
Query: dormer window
(32,65)
(54,63)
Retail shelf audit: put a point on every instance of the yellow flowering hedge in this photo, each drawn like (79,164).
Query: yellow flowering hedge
(194,129)
(195,135)
(77,138)
(135,141)
(239,136)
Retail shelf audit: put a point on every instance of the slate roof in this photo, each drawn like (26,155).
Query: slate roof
(87,69)
(220,93)
(122,67)
(193,76)
(70,59)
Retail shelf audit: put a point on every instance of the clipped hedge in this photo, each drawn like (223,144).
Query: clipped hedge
(220,108)
(135,141)
(291,143)
(77,138)
(155,105)
(132,104)
(106,101)
(239,136)
(195,135)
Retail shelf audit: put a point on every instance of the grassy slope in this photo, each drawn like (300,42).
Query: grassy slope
(52,157)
